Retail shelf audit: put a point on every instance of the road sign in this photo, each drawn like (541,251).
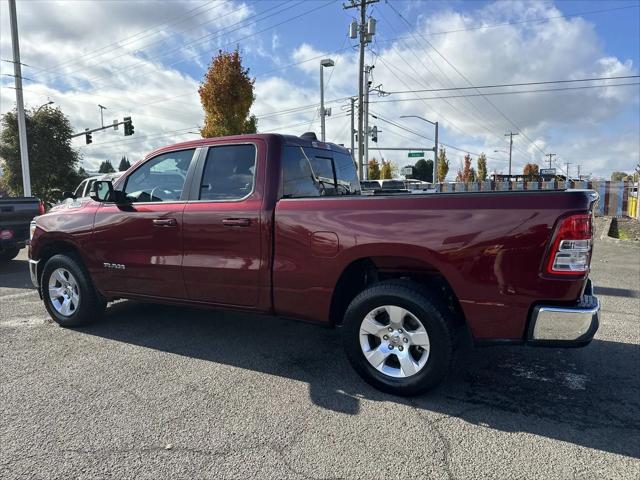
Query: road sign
(547,171)
(407,170)
(416,154)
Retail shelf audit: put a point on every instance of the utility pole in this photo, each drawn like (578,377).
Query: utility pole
(353,131)
(365,33)
(367,71)
(550,155)
(22,123)
(510,135)
(434,177)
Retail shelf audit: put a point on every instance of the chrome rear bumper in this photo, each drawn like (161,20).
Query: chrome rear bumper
(565,326)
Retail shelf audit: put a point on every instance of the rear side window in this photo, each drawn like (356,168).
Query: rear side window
(229,172)
(311,172)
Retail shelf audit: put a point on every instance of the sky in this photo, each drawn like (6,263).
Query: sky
(146,59)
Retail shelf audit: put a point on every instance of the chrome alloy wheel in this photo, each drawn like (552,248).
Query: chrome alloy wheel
(394,341)
(64,293)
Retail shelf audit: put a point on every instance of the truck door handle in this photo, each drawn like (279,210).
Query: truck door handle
(165,222)
(236,222)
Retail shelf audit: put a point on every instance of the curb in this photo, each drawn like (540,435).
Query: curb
(606,231)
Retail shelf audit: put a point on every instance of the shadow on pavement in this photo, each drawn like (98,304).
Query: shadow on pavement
(618,292)
(589,396)
(15,274)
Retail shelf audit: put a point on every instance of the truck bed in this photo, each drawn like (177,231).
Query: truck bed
(489,246)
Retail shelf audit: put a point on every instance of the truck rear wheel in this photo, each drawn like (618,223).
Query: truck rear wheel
(8,255)
(68,294)
(398,337)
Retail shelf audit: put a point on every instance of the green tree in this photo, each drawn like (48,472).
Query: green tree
(226,94)
(124,164)
(423,170)
(531,171)
(374,169)
(482,167)
(388,170)
(443,165)
(106,167)
(618,176)
(52,159)
(466,174)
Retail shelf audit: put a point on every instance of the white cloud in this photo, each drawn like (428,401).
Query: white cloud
(144,77)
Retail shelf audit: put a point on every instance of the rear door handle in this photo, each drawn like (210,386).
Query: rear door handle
(165,222)
(236,222)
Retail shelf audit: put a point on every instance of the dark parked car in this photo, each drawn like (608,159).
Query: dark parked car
(276,224)
(16,214)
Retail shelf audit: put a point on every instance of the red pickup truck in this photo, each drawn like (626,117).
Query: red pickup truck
(277,224)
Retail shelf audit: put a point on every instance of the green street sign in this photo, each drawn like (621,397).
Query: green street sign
(416,154)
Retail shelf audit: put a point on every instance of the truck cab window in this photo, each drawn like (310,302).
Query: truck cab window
(312,172)
(80,189)
(160,179)
(229,172)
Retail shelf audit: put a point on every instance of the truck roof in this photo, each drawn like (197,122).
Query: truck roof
(293,140)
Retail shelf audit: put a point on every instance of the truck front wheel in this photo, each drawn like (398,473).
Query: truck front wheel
(68,294)
(398,337)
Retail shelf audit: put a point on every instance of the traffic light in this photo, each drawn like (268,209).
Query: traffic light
(87,137)
(128,126)
(374,134)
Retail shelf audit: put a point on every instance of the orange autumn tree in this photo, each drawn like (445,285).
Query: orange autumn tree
(226,94)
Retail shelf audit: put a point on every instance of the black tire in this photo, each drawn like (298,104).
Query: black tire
(427,307)
(91,305)
(8,255)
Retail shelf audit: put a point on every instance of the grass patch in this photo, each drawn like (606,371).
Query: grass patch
(622,235)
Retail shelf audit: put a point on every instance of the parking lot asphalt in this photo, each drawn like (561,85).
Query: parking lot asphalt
(157,392)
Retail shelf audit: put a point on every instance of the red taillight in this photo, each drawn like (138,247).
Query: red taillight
(41,208)
(570,253)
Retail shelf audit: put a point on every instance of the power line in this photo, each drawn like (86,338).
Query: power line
(500,85)
(466,79)
(248,36)
(490,126)
(132,38)
(402,127)
(515,92)
(518,22)
(240,25)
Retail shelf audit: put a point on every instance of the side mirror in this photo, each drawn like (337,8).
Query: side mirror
(67,194)
(103,191)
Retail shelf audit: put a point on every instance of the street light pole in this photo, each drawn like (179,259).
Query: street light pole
(327,62)
(101,117)
(50,102)
(435,147)
(22,123)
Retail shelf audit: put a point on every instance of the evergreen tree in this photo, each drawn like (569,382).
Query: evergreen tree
(124,164)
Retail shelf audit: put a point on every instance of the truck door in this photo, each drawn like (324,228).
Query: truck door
(137,248)
(223,261)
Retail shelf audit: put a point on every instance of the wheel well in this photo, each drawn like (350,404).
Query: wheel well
(365,272)
(54,248)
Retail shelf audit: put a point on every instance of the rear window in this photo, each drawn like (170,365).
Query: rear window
(312,172)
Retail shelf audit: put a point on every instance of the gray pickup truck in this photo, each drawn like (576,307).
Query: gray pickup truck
(16,214)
